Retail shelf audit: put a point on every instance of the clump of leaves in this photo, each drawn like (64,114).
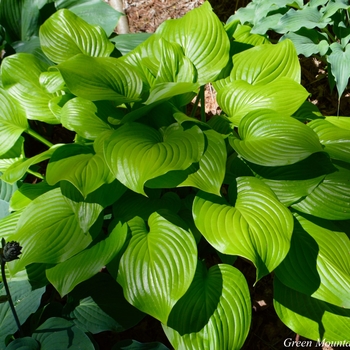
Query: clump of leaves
(318,28)
(143,184)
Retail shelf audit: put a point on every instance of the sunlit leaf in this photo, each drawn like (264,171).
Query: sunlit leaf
(257,226)
(159,263)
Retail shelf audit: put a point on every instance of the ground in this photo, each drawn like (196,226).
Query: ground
(267,331)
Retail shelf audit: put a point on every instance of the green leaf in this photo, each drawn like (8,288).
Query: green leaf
(330,199)
(21,78)
(339,59)
(310,317)
(270,139)
(146,153)
(26,343)
(238,98)
(18,169)
(266,63)
(26,301)
(66,275)
(308,17)
(220,300)
(93,11)
(308,42)
(101,78)
(79,115)
(49,231)
(243,35)
(336,140)
(203,39)
(65,35)
(291,191)
(135,345)
(258,227)
(58,333)
(78,165)
(318,262)
(12,122)
(128,42)
(212,165)
(159,263)
(99,305)
(341,122)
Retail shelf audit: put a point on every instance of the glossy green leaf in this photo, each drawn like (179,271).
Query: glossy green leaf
(330,199)
(99,305)
(212,165)
(12,122)
(238,98)
(270,139)
(159,263)
(310,317)
(257,227)
(318,262)
(136,153)
(49,231)
(135,345)
(339,59)
(26,343)
(291,191)
(266,63)
(128,42)
(58,333)
(85,170)
(21,78)
(79,115)
(101,78)
(341,122)
(216,303)
(18,169)
(94,12)
(65,35)
(26,301)
(336,140)
(243,34)
(66,275)
(203,39)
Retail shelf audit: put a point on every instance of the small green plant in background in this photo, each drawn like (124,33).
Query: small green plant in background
(117,220)
(319,28)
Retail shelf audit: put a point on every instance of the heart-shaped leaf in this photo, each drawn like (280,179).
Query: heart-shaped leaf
(101,78)
(136,153)
(65,35)
(12,122)
(270,139)
(66,275)
(80,116)
(49,231)
(266,63)
(318,262)
(310,317)
(85,170)
(21,78)
(336,140)
(258,227)
(220,300)
(330,199)
(159,263)
(203,39)
(283,95)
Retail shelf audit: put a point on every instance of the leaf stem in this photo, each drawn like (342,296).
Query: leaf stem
(201,94)
(195,106)
(12,307)
(39,137)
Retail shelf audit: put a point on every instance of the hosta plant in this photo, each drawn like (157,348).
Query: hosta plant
(318,28)
(119,220)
